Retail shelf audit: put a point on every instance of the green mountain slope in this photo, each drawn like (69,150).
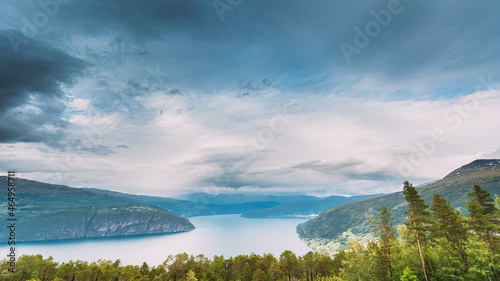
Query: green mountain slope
(332,228)
(303,208)
(48,212)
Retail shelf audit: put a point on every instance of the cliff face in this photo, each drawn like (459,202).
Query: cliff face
(89,222)
(51,212)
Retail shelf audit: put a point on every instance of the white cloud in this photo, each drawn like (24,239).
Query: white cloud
(330,145)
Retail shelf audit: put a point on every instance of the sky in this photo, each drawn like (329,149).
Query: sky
(317,97)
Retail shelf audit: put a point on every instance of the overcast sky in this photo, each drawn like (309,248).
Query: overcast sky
(318,97)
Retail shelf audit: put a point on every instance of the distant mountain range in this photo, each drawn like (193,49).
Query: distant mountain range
(330,231)
(249,205)
(238,198)
(210,205)
(307,209)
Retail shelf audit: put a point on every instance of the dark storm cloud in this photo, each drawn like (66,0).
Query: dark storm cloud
(437,45)
(31,98)
(144,20)
(452,40)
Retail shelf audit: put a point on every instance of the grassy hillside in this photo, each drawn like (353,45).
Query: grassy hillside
(334,227)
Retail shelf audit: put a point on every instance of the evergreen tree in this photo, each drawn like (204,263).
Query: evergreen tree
(220,268)
(260,275)
(449,236)
(144,270)
(446,222)
(176,266)
(338,262)
(325,266)
(246,274)
(289,264)
(408,275)
(74,271)
(383,227)
(309,263)
(191,276)
(484,220)
(356,267)
(418,220)
(483,216)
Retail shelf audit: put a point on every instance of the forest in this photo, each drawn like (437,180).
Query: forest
(436,242)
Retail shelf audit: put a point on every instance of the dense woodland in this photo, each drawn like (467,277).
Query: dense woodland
(435,243)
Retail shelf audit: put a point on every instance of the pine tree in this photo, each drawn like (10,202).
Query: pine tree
(309,263)
(449,237)
(289,264)
(484,220)
(383,227)
(408,275)
(447,223)
(247,274)
(191,276)
(483,216)
(418,219)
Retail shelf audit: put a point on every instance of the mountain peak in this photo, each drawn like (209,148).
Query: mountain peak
(475,166)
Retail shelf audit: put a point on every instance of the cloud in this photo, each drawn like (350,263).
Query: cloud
(168,90)
(427,47)
(329,147)
(31,94)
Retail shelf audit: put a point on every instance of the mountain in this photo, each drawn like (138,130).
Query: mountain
(239,198)
(48,212)
(186,208)
(249,205)
(330,231)
(303,208)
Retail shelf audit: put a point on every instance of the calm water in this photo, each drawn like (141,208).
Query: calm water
(227,235)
